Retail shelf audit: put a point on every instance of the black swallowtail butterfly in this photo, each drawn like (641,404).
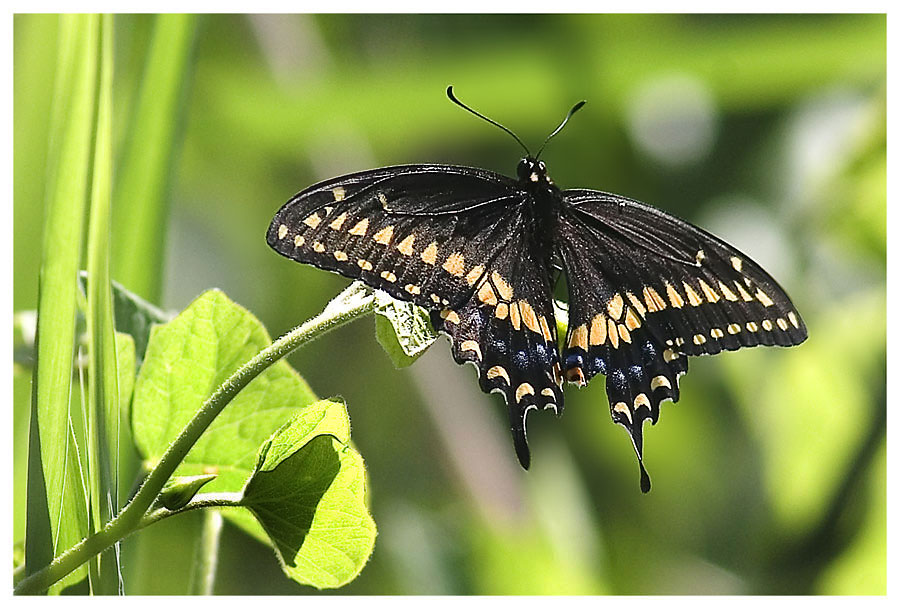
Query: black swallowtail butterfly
(482,253)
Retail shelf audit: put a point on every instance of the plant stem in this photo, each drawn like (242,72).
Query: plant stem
(353,302)
(206,554)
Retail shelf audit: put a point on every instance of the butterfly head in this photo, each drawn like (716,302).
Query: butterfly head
(532,171)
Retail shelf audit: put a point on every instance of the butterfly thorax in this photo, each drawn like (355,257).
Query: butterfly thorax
(545,202)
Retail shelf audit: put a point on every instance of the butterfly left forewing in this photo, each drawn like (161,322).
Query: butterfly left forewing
(422,233)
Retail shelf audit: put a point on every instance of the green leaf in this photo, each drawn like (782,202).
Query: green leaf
(57,517)
(103,391)
(134,315)
(402,329)
(186,360)
(309,494)
(143,174)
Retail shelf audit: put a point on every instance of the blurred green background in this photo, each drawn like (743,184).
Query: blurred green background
(769,474)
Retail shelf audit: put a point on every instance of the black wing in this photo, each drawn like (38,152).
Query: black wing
(452,240)
(646,290)
(421,233)
(508,330)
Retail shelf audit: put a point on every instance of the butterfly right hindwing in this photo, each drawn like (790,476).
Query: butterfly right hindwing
(645,291)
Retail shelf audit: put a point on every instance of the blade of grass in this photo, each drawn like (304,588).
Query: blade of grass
(139,222)
(56,516)
(103,391)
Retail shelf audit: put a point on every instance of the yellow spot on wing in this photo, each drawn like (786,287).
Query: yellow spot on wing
(317,246)
(515,317)
(654,300)
(498,371)
(282,231)
(660,381)
(747,297)
(751,325)
(598,329)
(299,240)
(693,297)
(782,323)
(429,255)
(471,345)
(674,297)
(733,328)
(360,228)
(767,325)
(710,293)
(615,306)
(455,264)
(388,276)
(613,333)
(384,235)
(729,295)
(451,316)
(502,311)
(737,263)
(486,294)
(794,321)
(579,337)
(716,333)
(622,408)
(313,221)
(506,292)
(412,288)
(699,339)
(338,222)
(339,193)
(364,264)
(637,304)
(523,390)
(641,401)
(669,355)
(406,246)
(545,329)
(631,320)
(474,275)
(764,298)
(528,317)
(624,334)
(340,256)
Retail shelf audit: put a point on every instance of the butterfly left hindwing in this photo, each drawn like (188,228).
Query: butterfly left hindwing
(507,329)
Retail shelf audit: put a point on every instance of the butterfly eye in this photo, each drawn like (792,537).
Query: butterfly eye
(524,169)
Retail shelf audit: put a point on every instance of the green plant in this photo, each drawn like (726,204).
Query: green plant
(278,461)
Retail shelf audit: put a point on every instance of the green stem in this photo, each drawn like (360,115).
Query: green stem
(353,302)
(201,501)
(206,554)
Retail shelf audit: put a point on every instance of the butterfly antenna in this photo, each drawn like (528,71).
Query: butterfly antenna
(574,109)
(491,121)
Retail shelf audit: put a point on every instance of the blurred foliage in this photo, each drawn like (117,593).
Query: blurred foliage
(769,475)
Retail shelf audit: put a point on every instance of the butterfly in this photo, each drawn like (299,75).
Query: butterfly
(483,252)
